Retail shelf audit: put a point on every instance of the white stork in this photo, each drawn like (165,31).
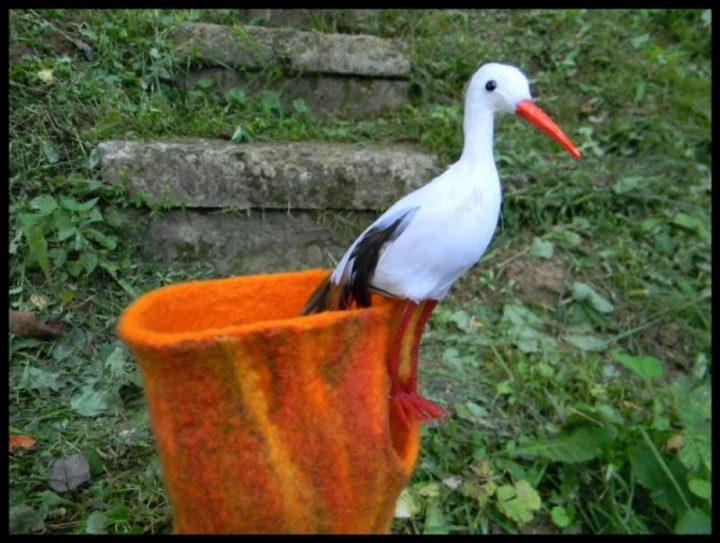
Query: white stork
(428,239)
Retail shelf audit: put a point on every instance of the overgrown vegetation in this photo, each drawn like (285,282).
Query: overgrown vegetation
(575,355)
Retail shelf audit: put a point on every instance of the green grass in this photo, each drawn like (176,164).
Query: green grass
(575,355)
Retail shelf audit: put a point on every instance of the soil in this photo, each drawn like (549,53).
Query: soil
(541,280)
(666,343)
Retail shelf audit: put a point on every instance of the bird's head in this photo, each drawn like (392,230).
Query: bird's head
(501,87)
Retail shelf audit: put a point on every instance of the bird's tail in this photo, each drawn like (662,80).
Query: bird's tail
(327,297)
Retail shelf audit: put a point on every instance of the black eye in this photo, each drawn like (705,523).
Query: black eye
(490,85)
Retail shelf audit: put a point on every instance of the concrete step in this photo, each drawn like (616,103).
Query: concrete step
(219,174)
(252,208)
(340,74)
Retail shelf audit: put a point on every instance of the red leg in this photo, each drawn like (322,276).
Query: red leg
(405,395)
(396,386)
(396,347)
(422,321)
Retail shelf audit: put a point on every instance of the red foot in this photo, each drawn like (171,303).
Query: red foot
(422,409)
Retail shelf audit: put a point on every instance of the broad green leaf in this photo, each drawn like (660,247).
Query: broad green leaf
(23,519)
(527,340)
(236,95)
(66,233)
(695,521)
(74,268)
(271,101)
(300,106)
(583,444)
(645,467)
(504,388)
(44,204)
(39,249)
(71,204)
(109,242)
(587,343)
(626,184)
(649,224)
(115,362)
(96,523)
(518,502)
(451,357)
(91,403)
(701,488)
(696,450)
(567,237)
(50,153)
(693,223)
(560,517)
(695,406)
(407,505)
(639,41)
(462,320)
(471,411)
(651,475)
(120,514)
(94,160)
(89,261)
(520,316)
(541,248)
(38,379)
(647,367)
(94,216)
(434,520)
(584,293)
(49,501)
(205,83)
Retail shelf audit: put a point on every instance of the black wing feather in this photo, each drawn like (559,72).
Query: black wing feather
(366,254)
(364,259)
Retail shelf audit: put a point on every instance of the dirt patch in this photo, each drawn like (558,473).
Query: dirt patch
(55,41)
(542,280)
(17,52)
(667,343)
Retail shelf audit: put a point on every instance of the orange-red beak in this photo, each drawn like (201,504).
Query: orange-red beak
(538,118)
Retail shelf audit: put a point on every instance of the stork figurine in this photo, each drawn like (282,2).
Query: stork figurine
(426,241)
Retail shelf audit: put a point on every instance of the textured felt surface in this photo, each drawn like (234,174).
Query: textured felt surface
(265,421)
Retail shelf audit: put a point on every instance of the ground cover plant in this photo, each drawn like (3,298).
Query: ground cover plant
(575,355)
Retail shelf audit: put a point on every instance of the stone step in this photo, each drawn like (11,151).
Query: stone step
(342,74)
(219,174)
(253,208)
(254,241)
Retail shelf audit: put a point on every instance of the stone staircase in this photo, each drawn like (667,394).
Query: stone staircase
(260,207)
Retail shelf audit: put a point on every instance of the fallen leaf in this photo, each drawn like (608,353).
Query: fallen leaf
(38,301)
(68,473)
(26,324)
(453,482)
(674,442)
(407,505)
(46,76)
(21,442)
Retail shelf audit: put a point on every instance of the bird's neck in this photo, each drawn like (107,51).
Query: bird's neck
(478,129)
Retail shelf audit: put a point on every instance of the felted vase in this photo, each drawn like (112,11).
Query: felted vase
(266,421)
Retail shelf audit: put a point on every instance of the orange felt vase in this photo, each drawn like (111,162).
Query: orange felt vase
(266,421)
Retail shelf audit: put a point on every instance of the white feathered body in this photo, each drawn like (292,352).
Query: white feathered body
(452,222)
